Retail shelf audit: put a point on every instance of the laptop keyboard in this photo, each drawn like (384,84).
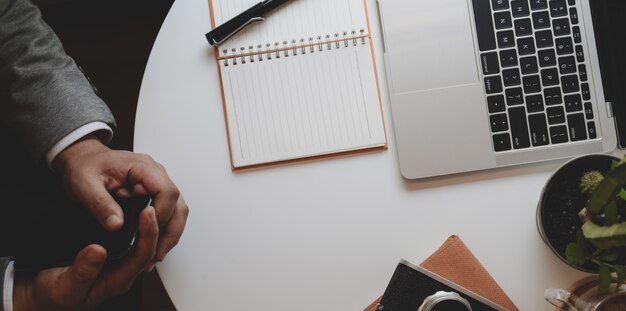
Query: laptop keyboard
(534,73)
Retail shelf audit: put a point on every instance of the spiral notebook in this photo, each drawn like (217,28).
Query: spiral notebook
(301,84)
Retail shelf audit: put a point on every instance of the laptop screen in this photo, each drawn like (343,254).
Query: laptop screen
(609,21)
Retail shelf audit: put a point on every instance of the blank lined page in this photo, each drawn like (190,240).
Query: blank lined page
(294,20)
(304,105)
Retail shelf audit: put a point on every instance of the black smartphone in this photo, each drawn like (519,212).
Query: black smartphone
(54,237)
(609,24)
(411,286)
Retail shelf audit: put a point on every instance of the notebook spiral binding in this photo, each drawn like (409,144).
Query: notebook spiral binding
(311,45)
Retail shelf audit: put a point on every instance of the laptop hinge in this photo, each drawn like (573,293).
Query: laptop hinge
(609,109)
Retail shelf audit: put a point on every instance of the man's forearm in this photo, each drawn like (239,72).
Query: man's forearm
(43,94)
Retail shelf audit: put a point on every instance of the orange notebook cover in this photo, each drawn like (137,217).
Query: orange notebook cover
(302,84)
(455,262)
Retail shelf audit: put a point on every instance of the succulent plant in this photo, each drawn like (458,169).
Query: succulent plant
(590,181)
(601,240)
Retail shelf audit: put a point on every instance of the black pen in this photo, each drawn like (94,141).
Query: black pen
(223,32)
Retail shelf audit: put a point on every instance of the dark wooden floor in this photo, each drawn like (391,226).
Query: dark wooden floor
(111,40)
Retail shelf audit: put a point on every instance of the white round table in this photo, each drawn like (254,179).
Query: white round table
(318,235)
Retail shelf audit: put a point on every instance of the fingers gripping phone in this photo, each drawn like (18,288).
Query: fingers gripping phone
(54,237)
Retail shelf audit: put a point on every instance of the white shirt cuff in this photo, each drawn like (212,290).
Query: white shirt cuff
(9,278)
(78,134)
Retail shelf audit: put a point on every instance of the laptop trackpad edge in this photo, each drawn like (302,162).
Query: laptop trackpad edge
(443,131)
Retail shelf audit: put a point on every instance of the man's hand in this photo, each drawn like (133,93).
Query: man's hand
(92,173)
(87,283)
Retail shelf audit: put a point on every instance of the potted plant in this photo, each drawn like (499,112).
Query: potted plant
(582,217)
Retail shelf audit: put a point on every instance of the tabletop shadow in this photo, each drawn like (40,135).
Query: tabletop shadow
(484,175)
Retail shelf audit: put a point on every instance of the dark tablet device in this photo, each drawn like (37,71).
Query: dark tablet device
(53,238)
(411,286)
(609,25)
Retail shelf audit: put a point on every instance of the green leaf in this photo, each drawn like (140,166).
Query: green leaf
(606,191)
(604,283)
(609,255)
(622,194)
(605,237)
(581,240)
(611,214)
(621,274)
(614,164)
(576,254)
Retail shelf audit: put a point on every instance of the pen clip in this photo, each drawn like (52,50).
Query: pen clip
(252,20)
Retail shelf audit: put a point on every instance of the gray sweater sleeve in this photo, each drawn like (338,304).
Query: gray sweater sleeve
(4,262)
(43,94)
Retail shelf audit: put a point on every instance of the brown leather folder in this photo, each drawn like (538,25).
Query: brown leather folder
(455,262)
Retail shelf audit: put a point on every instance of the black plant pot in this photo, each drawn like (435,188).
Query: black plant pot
(561,200)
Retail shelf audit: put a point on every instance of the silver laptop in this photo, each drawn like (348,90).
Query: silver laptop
(480,84)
